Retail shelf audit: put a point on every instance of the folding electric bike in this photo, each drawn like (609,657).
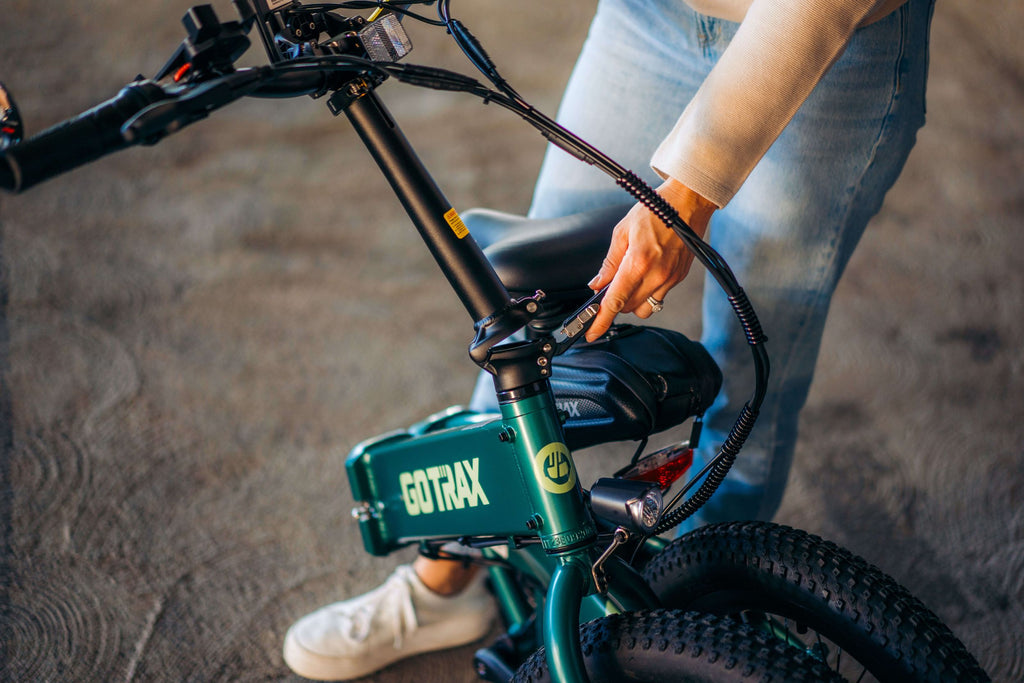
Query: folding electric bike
(738,601)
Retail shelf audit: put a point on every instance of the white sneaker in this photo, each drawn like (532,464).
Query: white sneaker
(398,619)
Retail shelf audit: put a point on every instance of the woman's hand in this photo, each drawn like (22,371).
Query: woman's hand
(646,258)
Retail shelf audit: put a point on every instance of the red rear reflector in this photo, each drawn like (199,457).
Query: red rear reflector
(662,468)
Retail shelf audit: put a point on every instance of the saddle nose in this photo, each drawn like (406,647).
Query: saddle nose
(556,255)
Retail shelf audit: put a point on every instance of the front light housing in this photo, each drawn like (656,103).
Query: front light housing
(635,505)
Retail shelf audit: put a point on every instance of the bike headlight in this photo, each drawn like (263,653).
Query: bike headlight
(635,505)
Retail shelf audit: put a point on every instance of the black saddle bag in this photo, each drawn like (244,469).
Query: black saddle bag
(633,382)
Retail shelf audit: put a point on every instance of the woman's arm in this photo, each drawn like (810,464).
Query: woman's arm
(778,55)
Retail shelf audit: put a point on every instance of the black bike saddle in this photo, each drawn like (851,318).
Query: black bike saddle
(556,255)
(631,383)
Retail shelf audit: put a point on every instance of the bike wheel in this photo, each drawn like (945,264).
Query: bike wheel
(671,645)
(814,594)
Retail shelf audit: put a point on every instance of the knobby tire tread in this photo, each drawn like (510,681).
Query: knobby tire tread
(673,645)
(725,568)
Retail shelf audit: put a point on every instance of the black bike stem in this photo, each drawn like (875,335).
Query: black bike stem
(456,252)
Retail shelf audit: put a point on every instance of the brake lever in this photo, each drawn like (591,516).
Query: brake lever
(160,119)
(576,325)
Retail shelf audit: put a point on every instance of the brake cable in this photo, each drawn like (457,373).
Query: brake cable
(716,470)
(505,96)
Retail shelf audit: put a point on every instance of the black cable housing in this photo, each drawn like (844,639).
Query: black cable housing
(397,8)
(294,77)
(720,465)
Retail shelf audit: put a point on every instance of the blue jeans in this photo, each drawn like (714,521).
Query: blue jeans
(789,232)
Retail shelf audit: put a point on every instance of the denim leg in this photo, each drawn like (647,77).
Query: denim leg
(640,65)
(791,229)
(790,232)
(634,67)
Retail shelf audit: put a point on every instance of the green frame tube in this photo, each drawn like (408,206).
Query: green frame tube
(520,482)
(560,516)
(562,622)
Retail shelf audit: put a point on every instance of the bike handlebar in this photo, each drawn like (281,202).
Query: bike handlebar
(77,141)
(144,112)
(141,113)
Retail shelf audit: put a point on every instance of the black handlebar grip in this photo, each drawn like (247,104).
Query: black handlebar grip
(6,175)
(77,141)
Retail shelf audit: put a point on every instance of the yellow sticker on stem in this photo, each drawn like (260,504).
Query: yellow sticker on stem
(454,222)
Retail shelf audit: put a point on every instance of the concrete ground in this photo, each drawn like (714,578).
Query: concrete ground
(194,335)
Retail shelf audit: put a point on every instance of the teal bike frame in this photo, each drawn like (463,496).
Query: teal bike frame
(506,477)
(505,482)
(502,480)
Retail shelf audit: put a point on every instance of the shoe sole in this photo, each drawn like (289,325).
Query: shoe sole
(320,667)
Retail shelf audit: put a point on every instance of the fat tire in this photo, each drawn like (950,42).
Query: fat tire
(760,566)
(676,646)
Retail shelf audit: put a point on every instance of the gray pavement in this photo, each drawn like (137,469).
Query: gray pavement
(194,335)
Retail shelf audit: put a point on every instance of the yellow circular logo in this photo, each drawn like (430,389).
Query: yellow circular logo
(554,468)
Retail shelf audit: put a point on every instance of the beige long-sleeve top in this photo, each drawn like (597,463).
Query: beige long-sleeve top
(779,53)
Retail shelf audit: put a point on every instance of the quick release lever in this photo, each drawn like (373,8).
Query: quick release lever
(578,322)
